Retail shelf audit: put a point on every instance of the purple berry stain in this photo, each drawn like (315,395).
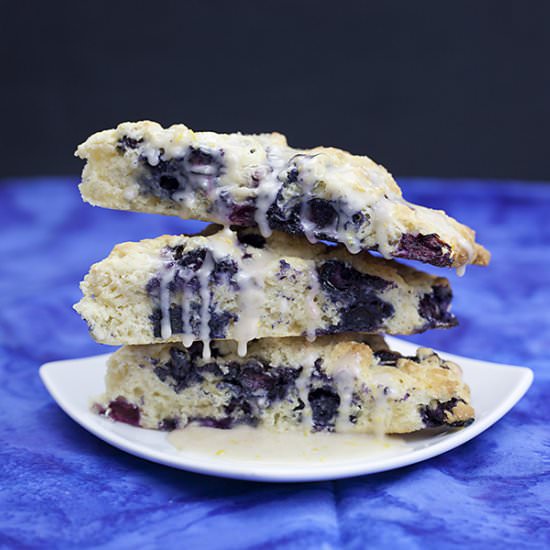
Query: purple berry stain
(123,411)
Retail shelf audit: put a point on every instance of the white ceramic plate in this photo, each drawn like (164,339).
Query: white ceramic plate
(495,390)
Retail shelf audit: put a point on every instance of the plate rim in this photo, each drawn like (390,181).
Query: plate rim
(277,473)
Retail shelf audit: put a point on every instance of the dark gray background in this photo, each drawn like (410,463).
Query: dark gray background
(436,88)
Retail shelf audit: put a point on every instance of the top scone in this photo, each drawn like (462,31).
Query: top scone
(248,180)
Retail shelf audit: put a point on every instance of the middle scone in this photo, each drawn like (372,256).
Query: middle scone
(237,285)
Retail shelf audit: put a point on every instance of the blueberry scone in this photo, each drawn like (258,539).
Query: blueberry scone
(238,285)
(347,383)
(258,180)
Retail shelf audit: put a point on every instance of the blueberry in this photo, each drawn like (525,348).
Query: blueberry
(219,322)
(180,362)
(165,178)
(241,411)
(341,276)
(224,271)
(176,319)
(125,143)
(256,379)
(285,214)
(197,169)
(179,284)
(434,307)
(169,183)
(321,213)
(156,319)
(162,373)
(199,157)
(387,357)
(324,403)
(424,248)
(180,371)
(123,411)
(177,252)
(242,214)
(367,315)
(249,382)
(284,266)
(176,322)
(286,211)
(169,424)
(237,213)
(192,260)
(356,296)
(153,286)
(434,416)
(292,175)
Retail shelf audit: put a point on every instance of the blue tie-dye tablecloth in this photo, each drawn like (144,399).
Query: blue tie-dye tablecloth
(61,487)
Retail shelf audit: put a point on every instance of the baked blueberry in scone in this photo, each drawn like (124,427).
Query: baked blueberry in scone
(258,180)
(238,285)
(346,383)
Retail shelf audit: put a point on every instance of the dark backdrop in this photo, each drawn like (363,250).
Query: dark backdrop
(426,88)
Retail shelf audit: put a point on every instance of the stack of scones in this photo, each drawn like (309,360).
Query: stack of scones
(272,316)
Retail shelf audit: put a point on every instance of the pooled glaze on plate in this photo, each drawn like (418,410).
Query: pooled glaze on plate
(246,444)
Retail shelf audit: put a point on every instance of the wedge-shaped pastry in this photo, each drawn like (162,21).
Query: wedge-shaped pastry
(347,383)
(323,193)
(240,286)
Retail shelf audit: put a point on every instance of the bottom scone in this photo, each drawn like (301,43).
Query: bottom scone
(350,383)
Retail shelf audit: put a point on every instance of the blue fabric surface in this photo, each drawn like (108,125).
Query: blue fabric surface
(62,487)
